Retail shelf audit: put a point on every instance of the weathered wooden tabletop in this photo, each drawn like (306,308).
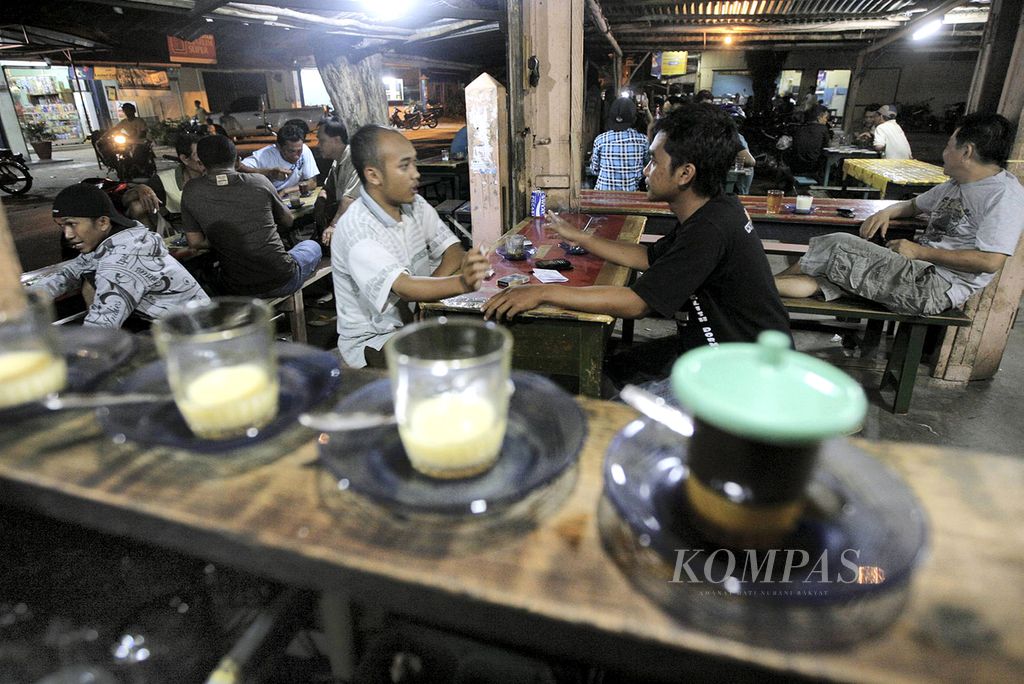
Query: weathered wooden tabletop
(550,588)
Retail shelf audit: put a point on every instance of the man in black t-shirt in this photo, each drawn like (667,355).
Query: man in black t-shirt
(710,273)
(809,142)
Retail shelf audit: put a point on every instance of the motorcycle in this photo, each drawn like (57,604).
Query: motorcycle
(432,116)
(411,120)
(127,157)
(15,177)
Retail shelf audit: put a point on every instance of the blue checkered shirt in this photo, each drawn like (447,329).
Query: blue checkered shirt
(618,160)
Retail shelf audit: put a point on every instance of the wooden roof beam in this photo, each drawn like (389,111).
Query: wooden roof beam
(602,25)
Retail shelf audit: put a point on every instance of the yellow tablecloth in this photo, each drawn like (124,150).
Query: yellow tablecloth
(878,173)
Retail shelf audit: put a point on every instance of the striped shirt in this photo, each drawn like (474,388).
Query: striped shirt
(369,251)
(618,159)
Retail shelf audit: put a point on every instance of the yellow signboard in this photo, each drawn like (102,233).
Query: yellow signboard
(664,64)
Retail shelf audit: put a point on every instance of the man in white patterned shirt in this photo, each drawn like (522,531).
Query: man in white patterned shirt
(391,249)
(619,154)
(132,270)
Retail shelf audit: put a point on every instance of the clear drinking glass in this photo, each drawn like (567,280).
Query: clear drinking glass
(221,365)
(774,201)
(450,384)
(31,363)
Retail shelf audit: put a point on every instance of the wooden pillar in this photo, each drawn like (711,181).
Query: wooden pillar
(356,88)
(517,85)
(994,58)
(487,135)
(974,353)
(12,297)
(553,110)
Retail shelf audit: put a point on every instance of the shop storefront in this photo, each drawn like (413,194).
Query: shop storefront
(47,103)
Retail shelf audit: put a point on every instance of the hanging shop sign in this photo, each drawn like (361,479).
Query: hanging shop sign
(669,63)
(134,77)
(202,50)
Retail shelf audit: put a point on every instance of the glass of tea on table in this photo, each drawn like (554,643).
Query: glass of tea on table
(31,364)
(221,365)
(450,385)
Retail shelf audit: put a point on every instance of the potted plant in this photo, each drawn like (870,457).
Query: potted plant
(41,138)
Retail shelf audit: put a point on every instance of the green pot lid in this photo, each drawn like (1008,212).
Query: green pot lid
(767,391)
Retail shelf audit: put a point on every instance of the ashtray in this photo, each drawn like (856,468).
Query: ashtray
(528,251)
(572,249)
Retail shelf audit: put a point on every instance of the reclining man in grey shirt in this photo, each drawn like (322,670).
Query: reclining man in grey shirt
(975,221)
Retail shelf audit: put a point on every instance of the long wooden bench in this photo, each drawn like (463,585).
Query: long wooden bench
(905,356)
(293,305)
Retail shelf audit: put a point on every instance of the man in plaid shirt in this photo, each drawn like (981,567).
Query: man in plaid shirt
(620,154)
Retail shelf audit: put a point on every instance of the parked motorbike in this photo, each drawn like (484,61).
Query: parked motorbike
(411,120)
(15,177)
(432,116)
(129,158)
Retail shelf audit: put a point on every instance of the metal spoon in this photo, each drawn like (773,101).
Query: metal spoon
(332,421)
(655,408)
(60,402)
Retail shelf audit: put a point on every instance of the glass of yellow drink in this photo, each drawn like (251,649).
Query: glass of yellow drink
(31,363)
(450,384)
(221,365)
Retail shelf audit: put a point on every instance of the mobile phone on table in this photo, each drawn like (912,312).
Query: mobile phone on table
(555,264)
(846,212)
(513,280)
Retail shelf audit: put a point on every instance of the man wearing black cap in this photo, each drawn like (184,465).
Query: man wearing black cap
(131,266)
(620,153)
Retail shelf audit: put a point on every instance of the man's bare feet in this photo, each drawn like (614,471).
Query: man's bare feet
(796,285)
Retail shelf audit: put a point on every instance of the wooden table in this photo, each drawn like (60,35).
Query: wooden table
(453,171)
(550,339)
(549,589)
(783,227)
(895,178)
(834,156)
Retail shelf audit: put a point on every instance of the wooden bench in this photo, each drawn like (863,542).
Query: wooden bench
(293,305)
(905,356)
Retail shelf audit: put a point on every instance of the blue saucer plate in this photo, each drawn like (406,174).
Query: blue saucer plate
(307,376)
(862,534)
(791,209)
(546,429)
(91,354)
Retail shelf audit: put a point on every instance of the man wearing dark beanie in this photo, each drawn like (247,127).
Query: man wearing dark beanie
(131,266)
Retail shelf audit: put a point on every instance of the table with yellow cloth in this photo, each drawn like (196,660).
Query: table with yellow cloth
(893,177)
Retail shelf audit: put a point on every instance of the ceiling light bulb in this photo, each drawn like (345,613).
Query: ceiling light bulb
(931,28)
(388,10)
(728,40)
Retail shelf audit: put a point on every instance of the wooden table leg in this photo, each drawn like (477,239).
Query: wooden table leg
(339,633)
(903,363)
(591,361)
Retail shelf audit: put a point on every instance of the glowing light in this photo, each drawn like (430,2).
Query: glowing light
(625,93)
(387,10)
(728,40)
(120,139)
(929,29)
